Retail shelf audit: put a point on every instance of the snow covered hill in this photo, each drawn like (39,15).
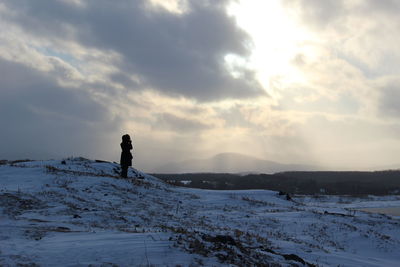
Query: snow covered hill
(78,212)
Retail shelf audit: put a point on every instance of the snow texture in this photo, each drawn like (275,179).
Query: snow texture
(78,212)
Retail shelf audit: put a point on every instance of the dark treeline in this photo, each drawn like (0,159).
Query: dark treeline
(334,183)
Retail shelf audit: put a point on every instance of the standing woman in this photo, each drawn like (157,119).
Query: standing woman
(126,156)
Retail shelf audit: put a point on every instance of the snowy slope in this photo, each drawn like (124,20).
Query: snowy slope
(81,214)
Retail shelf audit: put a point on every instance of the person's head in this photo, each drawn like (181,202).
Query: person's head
(126,138)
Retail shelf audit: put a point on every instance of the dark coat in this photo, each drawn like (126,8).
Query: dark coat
(126,156)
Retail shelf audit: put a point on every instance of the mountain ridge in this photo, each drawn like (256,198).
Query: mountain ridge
(229,162)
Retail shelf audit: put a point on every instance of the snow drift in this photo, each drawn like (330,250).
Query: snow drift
(78,212)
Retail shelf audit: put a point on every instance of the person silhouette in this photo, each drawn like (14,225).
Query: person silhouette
(126,156)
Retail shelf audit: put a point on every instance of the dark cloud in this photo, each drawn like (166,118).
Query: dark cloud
(389,99)
(387,7)
(42,119)
(168,121)
(176,54)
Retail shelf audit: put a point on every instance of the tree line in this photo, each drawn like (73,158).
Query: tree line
(301,182)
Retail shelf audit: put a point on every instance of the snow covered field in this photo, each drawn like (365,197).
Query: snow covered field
(81,214)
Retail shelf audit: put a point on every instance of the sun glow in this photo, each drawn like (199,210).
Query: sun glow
(277,39)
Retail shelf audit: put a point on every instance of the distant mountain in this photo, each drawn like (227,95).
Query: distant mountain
(232,163)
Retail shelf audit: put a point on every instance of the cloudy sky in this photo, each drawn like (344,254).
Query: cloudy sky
(294,81)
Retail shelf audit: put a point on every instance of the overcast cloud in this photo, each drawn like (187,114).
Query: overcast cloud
(76,75)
